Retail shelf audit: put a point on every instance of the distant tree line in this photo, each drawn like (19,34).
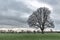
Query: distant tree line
(28,31)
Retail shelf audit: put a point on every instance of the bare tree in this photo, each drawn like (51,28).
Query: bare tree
(41,19)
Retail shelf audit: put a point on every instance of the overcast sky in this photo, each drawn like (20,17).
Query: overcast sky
(16,12)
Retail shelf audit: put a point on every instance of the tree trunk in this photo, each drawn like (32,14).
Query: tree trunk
(42,31)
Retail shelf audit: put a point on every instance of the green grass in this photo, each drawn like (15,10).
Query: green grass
(30,36)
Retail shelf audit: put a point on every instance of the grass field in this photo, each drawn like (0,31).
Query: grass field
(30,36)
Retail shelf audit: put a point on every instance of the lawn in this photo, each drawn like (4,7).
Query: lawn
(29,36)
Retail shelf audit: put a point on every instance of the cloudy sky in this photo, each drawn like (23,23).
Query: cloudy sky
(16,12)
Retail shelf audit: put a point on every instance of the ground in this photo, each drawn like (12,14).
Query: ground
(29,36)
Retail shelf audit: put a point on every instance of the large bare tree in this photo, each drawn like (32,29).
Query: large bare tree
(41,19)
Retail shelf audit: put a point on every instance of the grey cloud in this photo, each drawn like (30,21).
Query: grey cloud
(13,12)
(52,2)
(19,6)
(12,21)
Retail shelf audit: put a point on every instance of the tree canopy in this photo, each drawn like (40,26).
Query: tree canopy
(41,19)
